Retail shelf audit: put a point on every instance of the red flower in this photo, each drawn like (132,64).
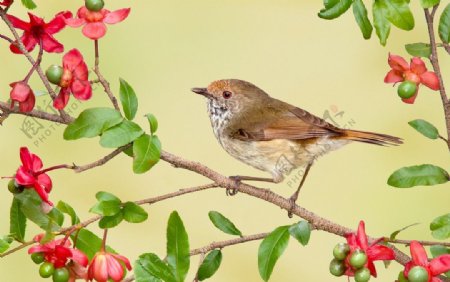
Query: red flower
(95,27)
(434,267)
(415,72)
(374,251)
(22,94)
(74,79)
(39,32)
(106,266)
(29,175)
(6,2)
(59,252)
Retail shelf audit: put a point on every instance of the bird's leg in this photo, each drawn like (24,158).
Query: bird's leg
(294,196)
(238,178)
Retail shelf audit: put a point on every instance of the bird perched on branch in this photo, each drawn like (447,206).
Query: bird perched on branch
(262,131)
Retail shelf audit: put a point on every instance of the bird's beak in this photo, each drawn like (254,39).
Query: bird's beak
(203,92)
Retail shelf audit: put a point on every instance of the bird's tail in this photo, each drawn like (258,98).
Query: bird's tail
(372,138)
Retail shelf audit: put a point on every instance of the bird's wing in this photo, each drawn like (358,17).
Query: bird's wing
(295,124)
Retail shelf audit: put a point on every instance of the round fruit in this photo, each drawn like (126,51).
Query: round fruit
(37,258)
(418,274)
(94,5)
(54,74)
(401,277)
(406,89)
(341,251)
(61,275)
(46,270)
(362,275)
(358,259)
(337,267)
(15,188)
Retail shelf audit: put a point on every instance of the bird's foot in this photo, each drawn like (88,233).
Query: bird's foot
(234,190)
(292,201)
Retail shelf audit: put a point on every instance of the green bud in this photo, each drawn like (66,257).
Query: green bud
(37,258)
(94,5)
(418,274)
(61,275)
(46,270)
(362,275)
(358,259)
(406,89)
(337,267)
(54,74)
(15,188)
(341,251)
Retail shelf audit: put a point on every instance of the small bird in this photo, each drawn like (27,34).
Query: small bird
(264,132)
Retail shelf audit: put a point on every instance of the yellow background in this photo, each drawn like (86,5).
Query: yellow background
(166,47)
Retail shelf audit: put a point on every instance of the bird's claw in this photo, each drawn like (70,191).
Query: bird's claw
(233,191)
(292,201)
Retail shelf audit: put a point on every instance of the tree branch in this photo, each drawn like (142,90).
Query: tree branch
(435,62)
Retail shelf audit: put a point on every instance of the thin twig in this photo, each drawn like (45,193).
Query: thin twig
(423,243)
(7,39)
(102,80)
(18,248)
(35,113)
(435,63)
(101,161)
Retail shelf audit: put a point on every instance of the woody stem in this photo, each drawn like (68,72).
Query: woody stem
(53,168)
(36,64)
(105,235)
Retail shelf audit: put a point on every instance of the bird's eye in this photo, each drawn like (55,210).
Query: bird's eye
(226,94)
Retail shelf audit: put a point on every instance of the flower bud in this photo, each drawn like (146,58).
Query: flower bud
(94,5)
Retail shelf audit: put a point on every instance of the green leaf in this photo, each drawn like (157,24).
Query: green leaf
(420,175)
(424,127)
(92,122)
(301,231)
(444,25)
(121,134)
(223,223)
(66,208)
(395,233)
(440,227)
(57,216)
(30,205)
(177,247)
(106,208)
(110,221)
(29,4)
(399,14)
(153,122)
(129,151)
(4,244)
(141,274)
(106,196)
(360,13)
(129,99)
(134,213)
(17,221)
(439,250)
(146,153)
(329,3)
(381,23)
(418,49)
(88,243)
(152,265)
(210,265)
(270,250)
(335,10)
(429,3)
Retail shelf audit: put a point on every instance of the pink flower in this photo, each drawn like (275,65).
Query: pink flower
(94,22)
(29,175)
(415,72)
(434,267)
(22,94)
(74,80)
(374,251)
(59,252)
(106,266)
(39,32)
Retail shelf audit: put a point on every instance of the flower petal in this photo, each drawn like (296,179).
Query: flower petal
(20,91)
(123,259)
(24,178)
(371,267)
(38,249)
(94,30)
(393,76)
(26,158)
(397,63)
(117,16)
(62,99)
(45,181)
(418,66)
(81,71)
(50,44)
(380,252)
(81,90)
(361,236)
(72,59)
(18,23)
(79,257)
(58,22)
(430,80)
(75,22)
(418,254)
(440,265)
(29,42)
(42,193)
(412,99)
(115,269)
(28,105)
